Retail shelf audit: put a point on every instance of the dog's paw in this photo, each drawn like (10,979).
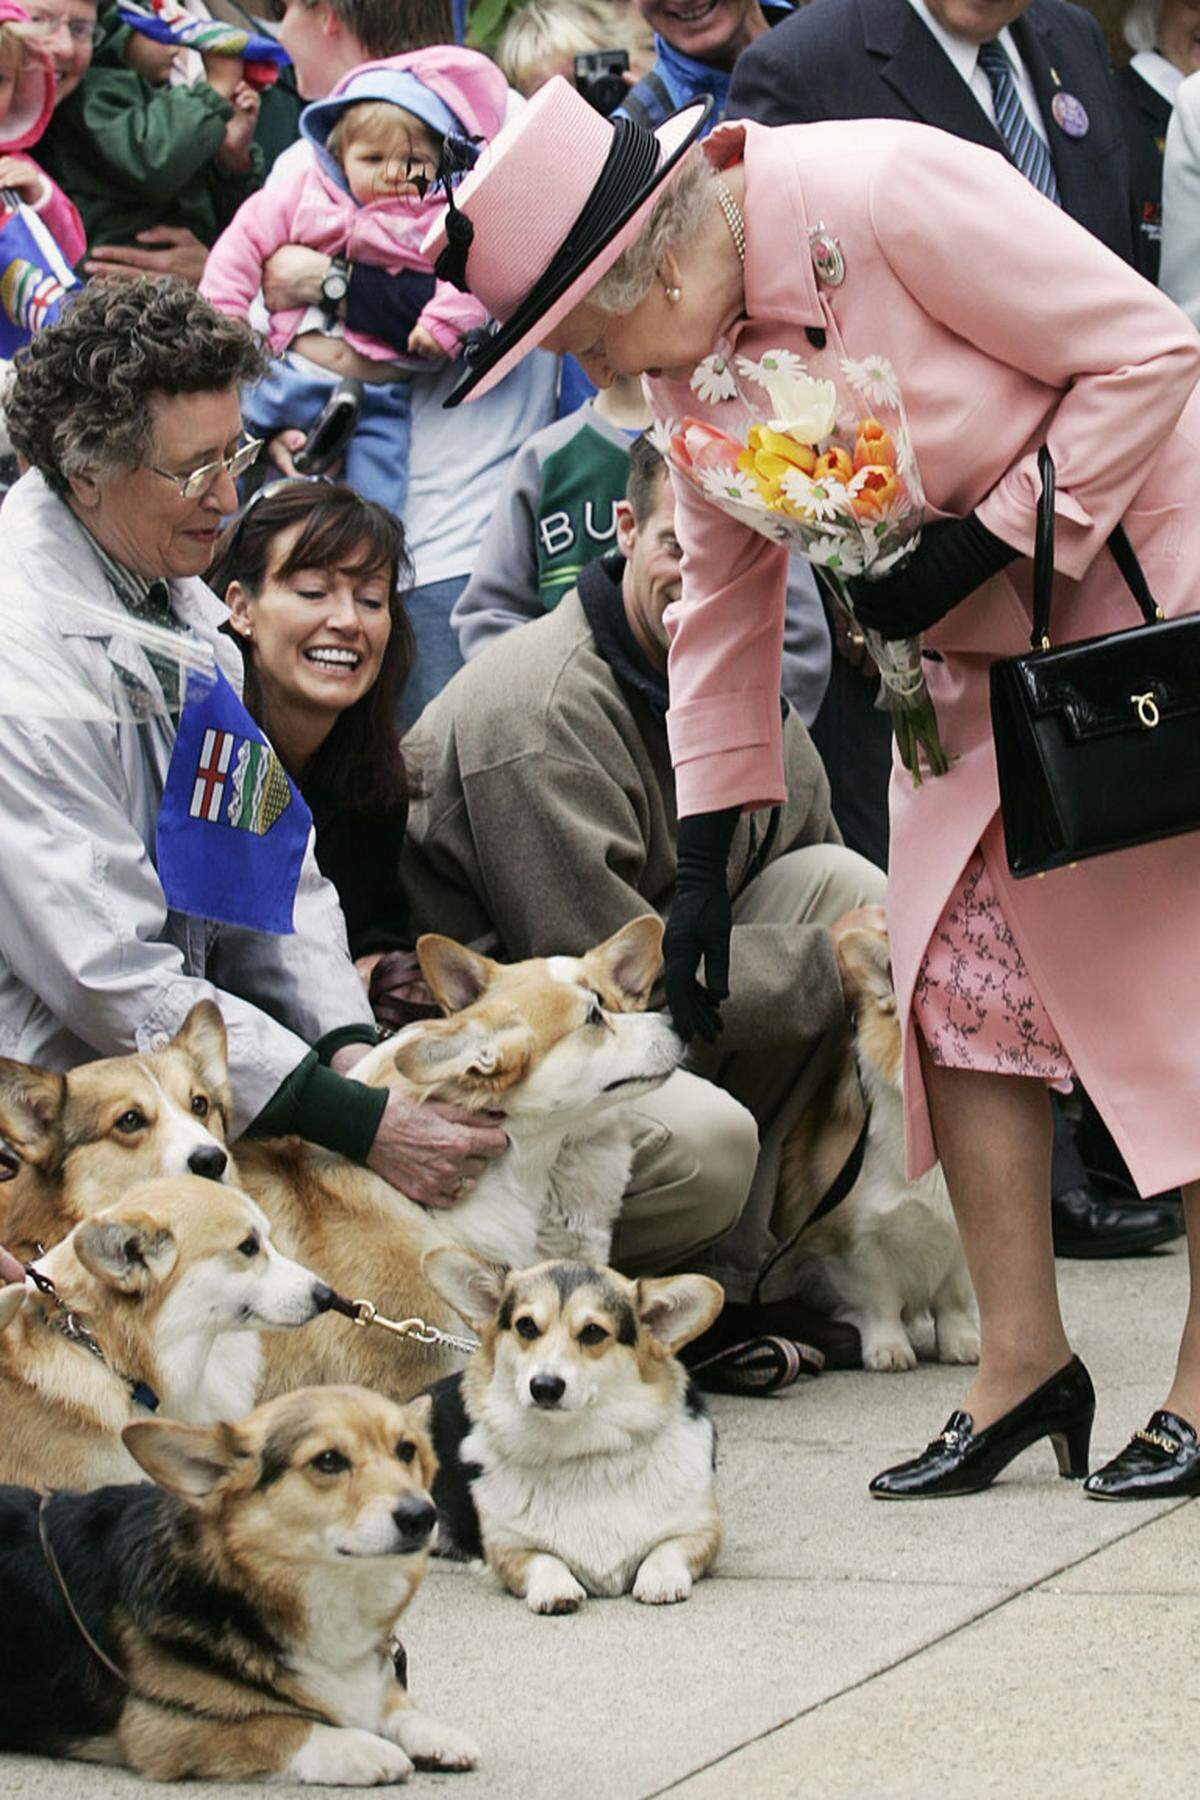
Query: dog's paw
(887,1351)
(957,1339)
(663,1578)
(431,1744)
(552,1588)
(347,1758)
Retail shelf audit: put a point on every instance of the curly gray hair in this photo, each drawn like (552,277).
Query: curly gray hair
(78,401)
(677,216)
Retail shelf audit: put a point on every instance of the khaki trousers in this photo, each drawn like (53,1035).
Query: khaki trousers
(707,1144)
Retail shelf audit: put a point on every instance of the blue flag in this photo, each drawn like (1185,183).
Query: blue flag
(232,828)
(34,276)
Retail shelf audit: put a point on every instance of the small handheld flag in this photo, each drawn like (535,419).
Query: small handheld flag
(34,275)
(168,23)
(232,827)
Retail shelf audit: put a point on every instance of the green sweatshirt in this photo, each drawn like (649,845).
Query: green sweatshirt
(132,156)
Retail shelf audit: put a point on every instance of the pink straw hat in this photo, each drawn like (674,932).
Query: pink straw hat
(546,211)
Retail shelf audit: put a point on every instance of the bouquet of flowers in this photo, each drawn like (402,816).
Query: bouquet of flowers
(832,475)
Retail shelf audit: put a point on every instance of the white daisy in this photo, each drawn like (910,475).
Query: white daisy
(731,484)
(841,555)
(821,499)
(660,434)
(874,378)
(713,379)
(771,364)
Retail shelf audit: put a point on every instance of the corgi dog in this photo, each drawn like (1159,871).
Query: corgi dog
(152,1303)
(71,1143)
(576,1455)
(889,1255)
(558,1045)
(243,1606)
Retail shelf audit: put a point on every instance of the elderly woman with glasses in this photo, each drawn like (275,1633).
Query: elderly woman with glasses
(127,412)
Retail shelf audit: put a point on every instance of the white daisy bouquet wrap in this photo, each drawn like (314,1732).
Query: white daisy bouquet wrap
(828,469)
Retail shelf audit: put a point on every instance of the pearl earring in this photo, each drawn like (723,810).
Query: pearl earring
(674,295)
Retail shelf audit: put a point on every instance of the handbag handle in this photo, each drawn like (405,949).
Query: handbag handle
(1124,556)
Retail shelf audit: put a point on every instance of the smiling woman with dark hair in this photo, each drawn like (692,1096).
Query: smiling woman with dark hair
(315,577)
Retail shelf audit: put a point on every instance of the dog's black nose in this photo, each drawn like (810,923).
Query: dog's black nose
(547,1390)
(323,1297)
(415,1518)
(210,1161)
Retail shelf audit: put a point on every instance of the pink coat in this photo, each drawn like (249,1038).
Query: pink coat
(314,207)
(1009,326)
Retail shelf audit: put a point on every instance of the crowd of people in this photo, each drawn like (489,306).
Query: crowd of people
(522,685)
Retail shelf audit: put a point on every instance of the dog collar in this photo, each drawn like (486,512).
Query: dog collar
(73,1328)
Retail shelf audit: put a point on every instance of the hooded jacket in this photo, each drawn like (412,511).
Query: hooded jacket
(133,155)
(27,118)
(315,206)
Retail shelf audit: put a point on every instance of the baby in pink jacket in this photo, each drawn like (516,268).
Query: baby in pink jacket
(365,195)
(26,102)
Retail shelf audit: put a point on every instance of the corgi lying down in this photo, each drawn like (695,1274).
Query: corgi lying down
(156,1304)
(575,1454)
(247,1601)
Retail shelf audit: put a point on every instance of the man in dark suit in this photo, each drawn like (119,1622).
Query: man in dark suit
(918,59)
(1052,108)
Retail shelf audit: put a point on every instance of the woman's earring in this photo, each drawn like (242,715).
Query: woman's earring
(674,295)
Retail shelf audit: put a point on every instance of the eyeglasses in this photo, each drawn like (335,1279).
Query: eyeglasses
(192,486)
(80,31)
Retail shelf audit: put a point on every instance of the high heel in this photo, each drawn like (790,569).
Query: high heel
(1162,1462)
(964,1461)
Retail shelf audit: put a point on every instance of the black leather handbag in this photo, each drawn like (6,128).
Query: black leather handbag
(1097,742)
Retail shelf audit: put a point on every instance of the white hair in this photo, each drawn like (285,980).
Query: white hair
(1140,25)
(677,217)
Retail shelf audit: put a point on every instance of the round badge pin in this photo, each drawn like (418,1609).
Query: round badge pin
(827,256)
(1070,115)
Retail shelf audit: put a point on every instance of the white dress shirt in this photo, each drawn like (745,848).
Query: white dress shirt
(965,57)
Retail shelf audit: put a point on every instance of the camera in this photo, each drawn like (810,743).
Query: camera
(332,429)
(599,77)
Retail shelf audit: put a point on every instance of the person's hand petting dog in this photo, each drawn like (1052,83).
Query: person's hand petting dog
(432,1154)
(954,557)
(700,924)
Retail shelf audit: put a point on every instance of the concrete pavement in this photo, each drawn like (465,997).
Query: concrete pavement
(1023,1642)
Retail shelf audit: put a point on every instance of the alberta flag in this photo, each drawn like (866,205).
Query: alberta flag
(34,277)
(232,828)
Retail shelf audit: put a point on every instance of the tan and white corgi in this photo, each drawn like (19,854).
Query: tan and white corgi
(247,1601)
(889,1255)
(559,1045)
(154,1303)
(576,1455)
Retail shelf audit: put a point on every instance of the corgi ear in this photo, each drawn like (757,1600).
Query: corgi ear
(31,1107)
(473,1287)
(12,1299)
(463,1065)
(454,975)
(626,966)
(865,957)
(420,1411)
(130,1254)
(677,1308)
(202,1037)
(192,1461)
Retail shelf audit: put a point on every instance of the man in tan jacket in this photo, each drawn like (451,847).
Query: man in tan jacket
(547,820)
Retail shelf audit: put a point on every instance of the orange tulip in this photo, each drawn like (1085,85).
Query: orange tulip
(835,464)
(874,447)
(876,487)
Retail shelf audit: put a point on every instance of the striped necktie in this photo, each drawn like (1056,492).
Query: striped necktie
(1012,122)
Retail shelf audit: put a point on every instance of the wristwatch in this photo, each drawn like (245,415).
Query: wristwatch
(335,284)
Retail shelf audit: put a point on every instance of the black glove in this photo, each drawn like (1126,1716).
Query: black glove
(953,558)
(700,923)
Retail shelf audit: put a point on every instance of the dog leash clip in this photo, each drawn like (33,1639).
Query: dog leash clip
(364,1312)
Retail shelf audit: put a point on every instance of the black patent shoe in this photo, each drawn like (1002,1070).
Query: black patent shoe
(964,1461)
(1156,1464)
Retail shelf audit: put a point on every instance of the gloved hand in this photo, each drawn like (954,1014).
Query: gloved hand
(954,557)
(700,923)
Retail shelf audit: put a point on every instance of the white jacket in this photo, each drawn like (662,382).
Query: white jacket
(1179,267)
(92,961)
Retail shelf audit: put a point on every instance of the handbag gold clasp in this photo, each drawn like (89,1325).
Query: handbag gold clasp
(1147,709)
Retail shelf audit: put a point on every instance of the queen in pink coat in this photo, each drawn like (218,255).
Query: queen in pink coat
(1008,327)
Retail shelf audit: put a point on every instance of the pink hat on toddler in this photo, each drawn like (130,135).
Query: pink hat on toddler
(33,96)
(546,211)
